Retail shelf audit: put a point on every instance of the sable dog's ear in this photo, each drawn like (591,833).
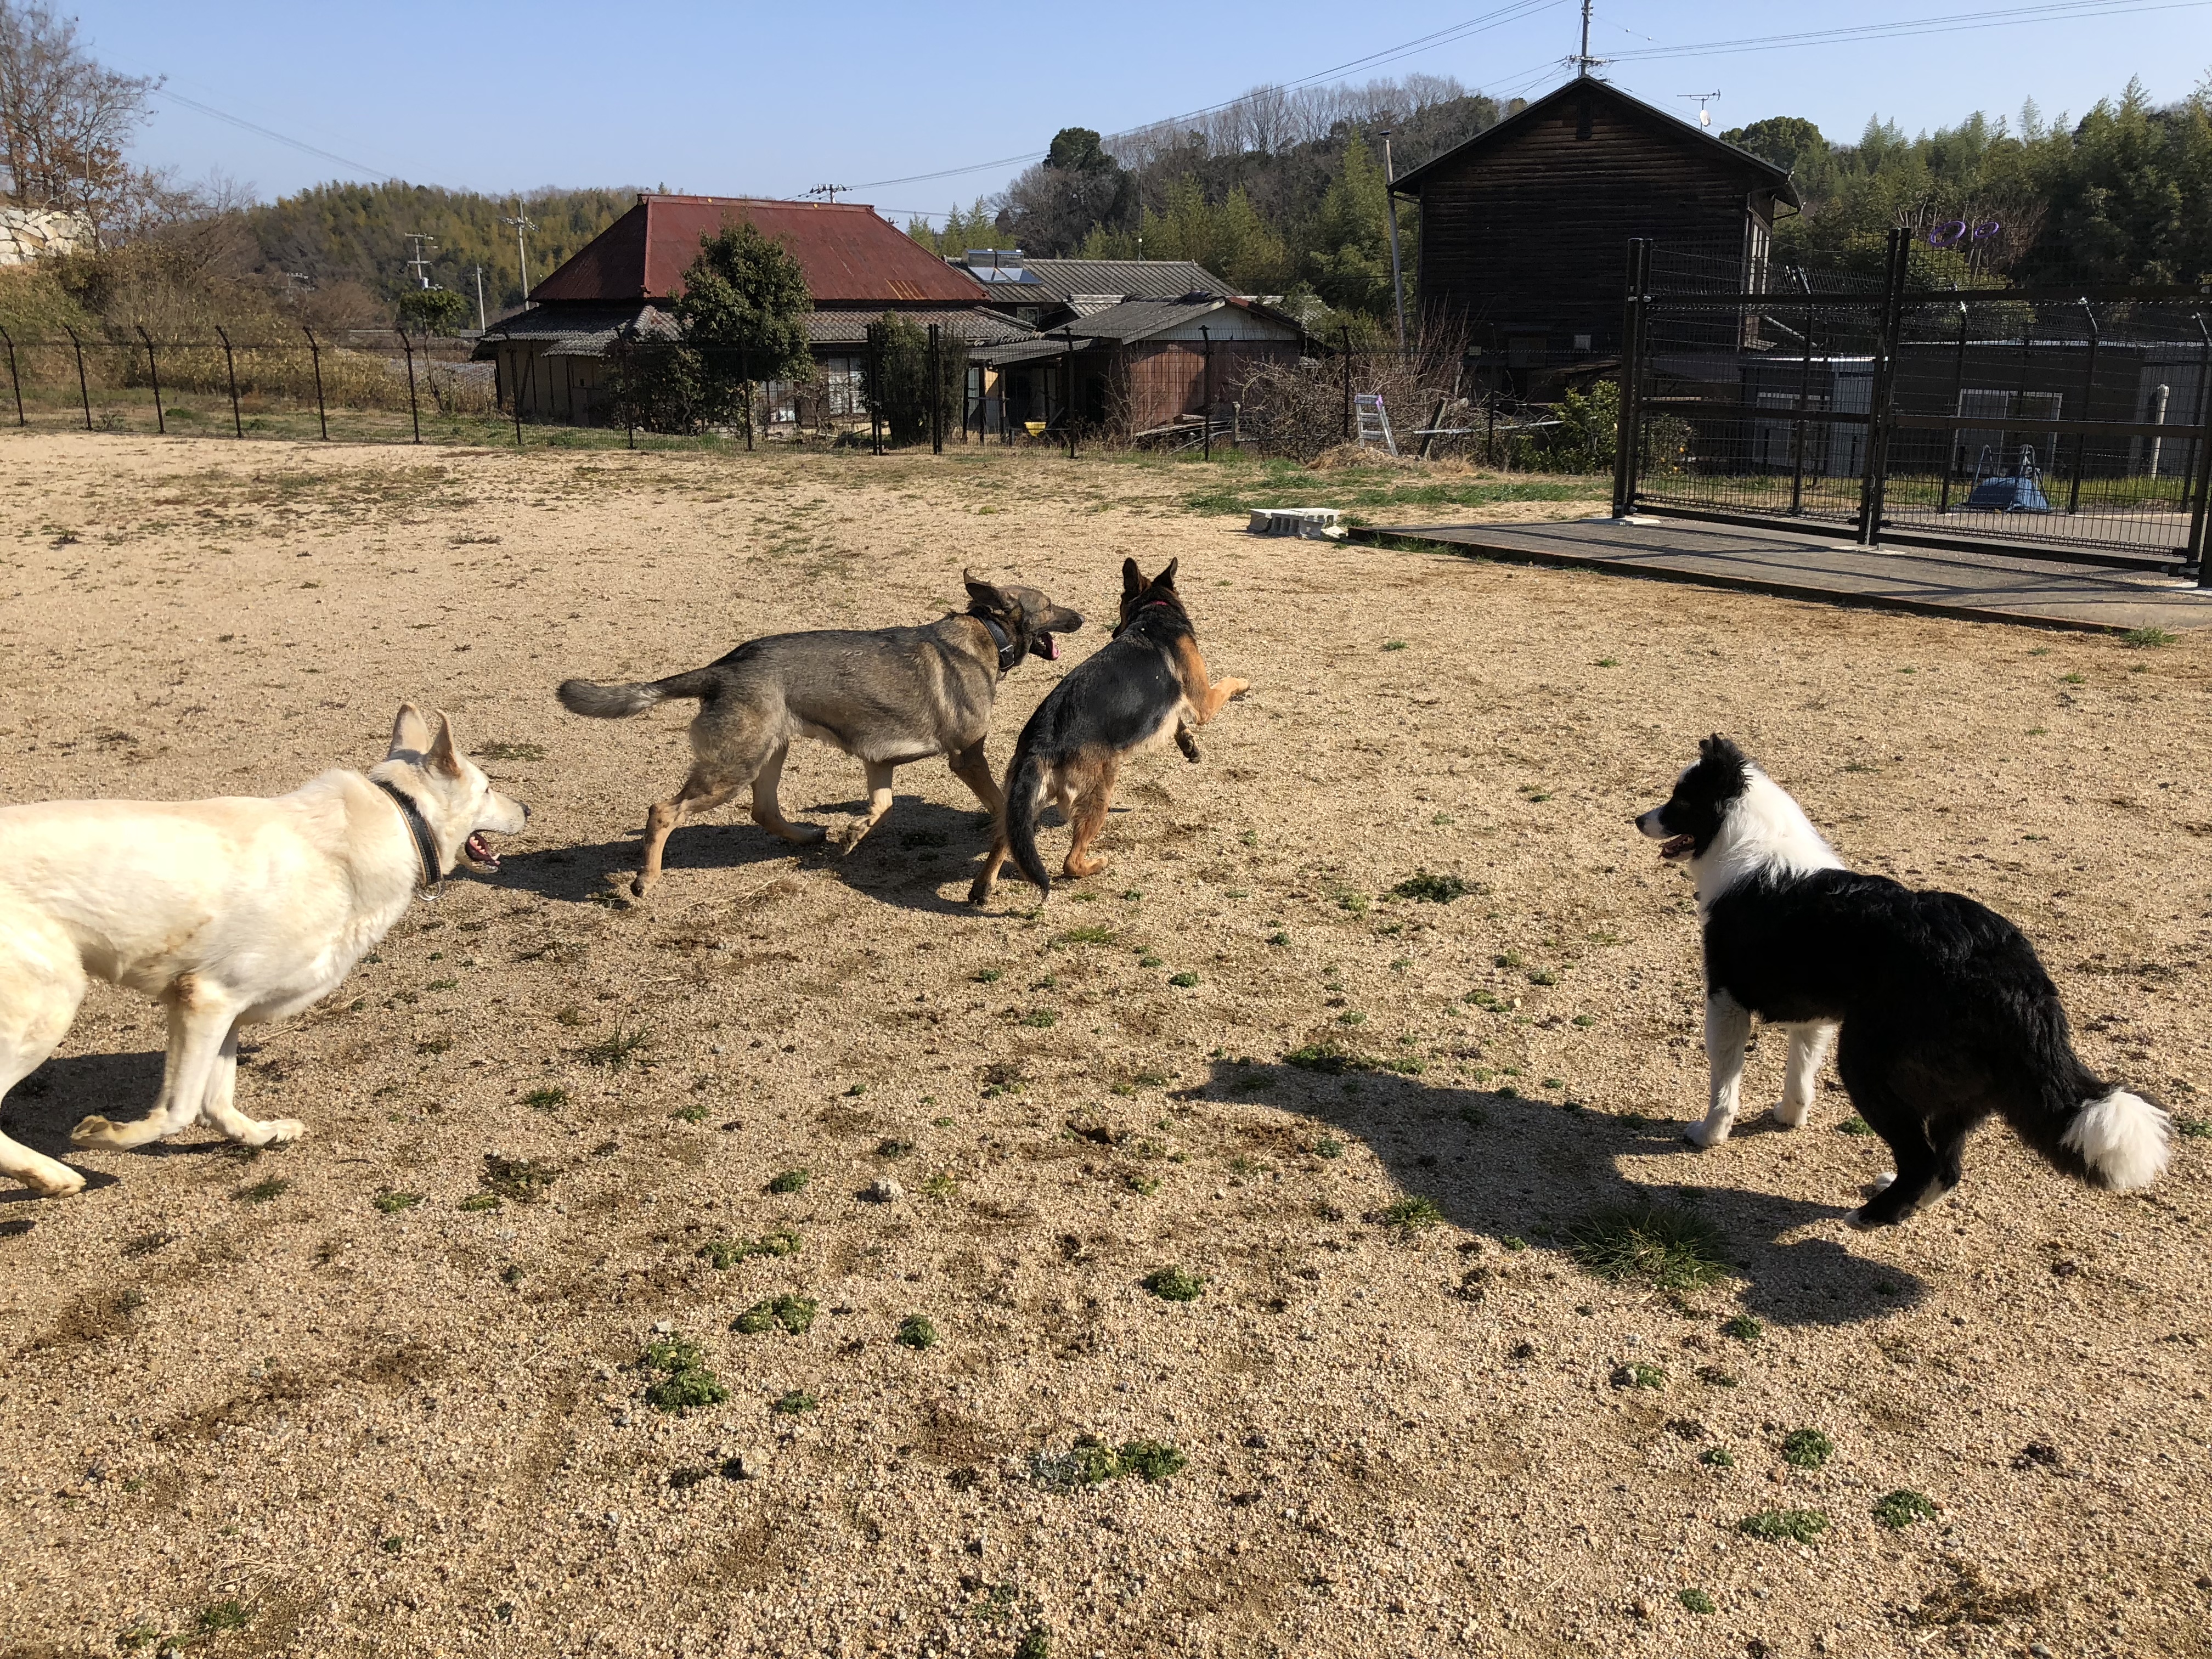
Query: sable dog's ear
(1132,580)
(410,734)
(983,593)
(444,757)
(1166,578)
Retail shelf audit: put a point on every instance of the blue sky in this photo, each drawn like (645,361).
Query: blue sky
(769,99)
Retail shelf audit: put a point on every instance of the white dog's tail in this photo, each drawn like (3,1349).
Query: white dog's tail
(2123,1140)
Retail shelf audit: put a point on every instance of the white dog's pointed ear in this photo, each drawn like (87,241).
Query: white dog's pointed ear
(410,734)
(443,755)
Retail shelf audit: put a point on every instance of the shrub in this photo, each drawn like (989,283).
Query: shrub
(1172,1284)
(903,392)
(794,1313)
(685,1382)
(1696,1601)
(1673,1248)
(1898,1510)
(1807,1448)
(1433,890)
(916,1332)
(1784,1526)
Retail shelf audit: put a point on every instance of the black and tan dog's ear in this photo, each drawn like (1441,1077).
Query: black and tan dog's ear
(411,733)
(1132,580)
(444,755)
(1166,578)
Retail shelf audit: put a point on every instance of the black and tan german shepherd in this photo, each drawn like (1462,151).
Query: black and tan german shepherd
(1146,683)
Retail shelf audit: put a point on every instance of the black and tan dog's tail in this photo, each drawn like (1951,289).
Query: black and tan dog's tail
(1024,796)
(615,703)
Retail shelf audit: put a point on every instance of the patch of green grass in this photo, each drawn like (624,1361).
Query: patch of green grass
(727,1253)
(1150,1461)
(1743,1327)
(476,1202)
(892,1147)
(791,1181)
(1543,976)
(1807,1448)
(1143,1185)
(1394,645)
(685,1382)
(1432,888)
(1784,1526)
(393,1203)
(1042,1018)
(1185,979)
(794,1402)
(988,976)
(691,1111)
(1036,1643)
(1855,1125)
(225,1616)
(261,1192)
(1674,1249)
(1696,1601)
(522,1179)
(1172,1284)
(618,1049)
(1328,1146)
(1084,936)
(2148,638)
(546,1099)
(1328,1057)
(941,1187)
(1488,1001)
(1898,1510)
(1608,662)
(1412,1214)
(916,1332)
(2197,1128)
(1638,1376)
(795,1314)
(1717,1457)
(2073,679)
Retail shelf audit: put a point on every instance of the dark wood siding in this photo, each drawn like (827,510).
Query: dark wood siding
(1528,236)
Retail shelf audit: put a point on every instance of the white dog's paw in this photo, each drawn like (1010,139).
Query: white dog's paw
(1705,1132)
(50,1180)
(96,1131)
(275,1131)
(1793,1116)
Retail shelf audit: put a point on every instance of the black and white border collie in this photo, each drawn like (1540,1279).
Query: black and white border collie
(1945,1015)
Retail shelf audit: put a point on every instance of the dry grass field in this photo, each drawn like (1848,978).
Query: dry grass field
(387,1391)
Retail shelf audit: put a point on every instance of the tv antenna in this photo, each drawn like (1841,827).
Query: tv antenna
(1705,115)
(1582,61)
(828,192)
(419,264)
(521,253)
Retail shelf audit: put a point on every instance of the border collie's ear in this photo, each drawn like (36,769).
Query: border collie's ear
(1166,578)
(1718,748)
(982,591)
(1132,580)
(410,734)
(444,755)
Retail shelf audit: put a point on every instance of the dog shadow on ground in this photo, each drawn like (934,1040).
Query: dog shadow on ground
(1499,1163)
(41,1110)
(919,848)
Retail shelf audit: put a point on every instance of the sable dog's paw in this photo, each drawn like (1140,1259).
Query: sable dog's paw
(1188,744)
(849,836)
(1232,689)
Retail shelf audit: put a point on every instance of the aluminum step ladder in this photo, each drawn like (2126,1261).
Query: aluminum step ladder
(1374,421)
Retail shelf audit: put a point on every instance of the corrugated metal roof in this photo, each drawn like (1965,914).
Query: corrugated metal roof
(848,254)
(978,326)
(576,330)
(1135,279)
(1139,319)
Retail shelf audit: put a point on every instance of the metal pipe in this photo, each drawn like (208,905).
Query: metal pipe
(1345,330)
(2088,397)
(1206,404)
(1804,402)
(876,386)
(1391,207)
(230,374)
(935,391)
(315,352)
(83,389)
(2158,418)
(1958,396)
(1873,481)
(414,411)
(1067,389)
(1625,436)
(2194,552)
(14,378)
(154,369)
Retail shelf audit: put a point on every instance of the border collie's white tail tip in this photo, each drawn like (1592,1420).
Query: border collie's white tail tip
(2123,1139)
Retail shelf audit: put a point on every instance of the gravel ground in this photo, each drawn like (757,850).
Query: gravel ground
(373,1394)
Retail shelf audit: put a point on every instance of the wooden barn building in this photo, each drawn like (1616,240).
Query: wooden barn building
(1524,228)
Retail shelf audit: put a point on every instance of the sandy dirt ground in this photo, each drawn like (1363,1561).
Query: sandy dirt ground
(348,1399)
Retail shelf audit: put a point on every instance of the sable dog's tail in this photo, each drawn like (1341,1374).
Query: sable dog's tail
(614,702)
(2096,1132)
(1024,795)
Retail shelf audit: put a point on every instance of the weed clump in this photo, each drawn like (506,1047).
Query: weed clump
(1638,1376)
(685,1382)
(1150,1461)
(1328,1057)
(794,1313)
(1717,1457)
(1784,1526)
(1743,1327)
(1092,1462)
(618,1049)
(546,1100)
(1696,1601)
(1674,1249)
(1898,1510)
(225,1615)
(794,1402)
(1184,980)
(727,1253)
(1432,890)
(1412,1214)
(1855,1125)
(916,1332)
(2147,638)
(393,1203)
(522,1179)
(1036,1643)
(791,1181)
(1172,1284)
(1807,1448)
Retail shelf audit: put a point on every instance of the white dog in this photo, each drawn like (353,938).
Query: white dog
(228,912)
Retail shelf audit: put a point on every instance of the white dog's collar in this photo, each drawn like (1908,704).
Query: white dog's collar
(429,878)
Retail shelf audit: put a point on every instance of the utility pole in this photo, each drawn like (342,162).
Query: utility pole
(521,253)
(1390,204)
(480,304)
(1705,115)
(830,192)
(1582,61)
(420,264)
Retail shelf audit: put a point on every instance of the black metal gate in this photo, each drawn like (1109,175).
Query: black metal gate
(2073,426)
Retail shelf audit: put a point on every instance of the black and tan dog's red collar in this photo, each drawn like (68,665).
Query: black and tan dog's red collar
(1010,650)
(429,877)
(1139,611)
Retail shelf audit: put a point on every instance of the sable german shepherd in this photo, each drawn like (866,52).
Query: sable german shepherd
(888,696)
(1146,683)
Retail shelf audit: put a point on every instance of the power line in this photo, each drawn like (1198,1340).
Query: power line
(2066,11)
(240,122)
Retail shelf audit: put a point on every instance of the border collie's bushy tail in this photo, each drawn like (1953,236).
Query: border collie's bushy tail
(614,702)
(1024,795)
(2097,1133)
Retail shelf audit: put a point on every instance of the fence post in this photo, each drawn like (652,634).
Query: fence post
(746,379)
(1344,330)
(230,374)
(1874,485)
(2089,395)
(1067,393)
(876,388)
(2194,553)
(14,378)
(315,355)
(936,390)
(628,349)
(523,382)
(83,390)
(1951,445)
(1206,404)
(154,369)
(1632,366)
(414,411)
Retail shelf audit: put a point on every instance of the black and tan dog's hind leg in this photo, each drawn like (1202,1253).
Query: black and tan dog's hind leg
(1087,796)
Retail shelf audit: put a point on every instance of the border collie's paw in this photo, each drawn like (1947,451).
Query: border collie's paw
(1880,1181)
(1857,1218)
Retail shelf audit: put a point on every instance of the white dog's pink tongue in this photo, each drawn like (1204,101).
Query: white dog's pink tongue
(480,851)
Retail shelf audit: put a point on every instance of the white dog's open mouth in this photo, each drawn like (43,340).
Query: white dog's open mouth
(479,853)
(1676,846)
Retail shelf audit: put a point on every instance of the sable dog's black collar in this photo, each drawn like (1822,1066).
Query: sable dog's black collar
(1010,650)
(428,878)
